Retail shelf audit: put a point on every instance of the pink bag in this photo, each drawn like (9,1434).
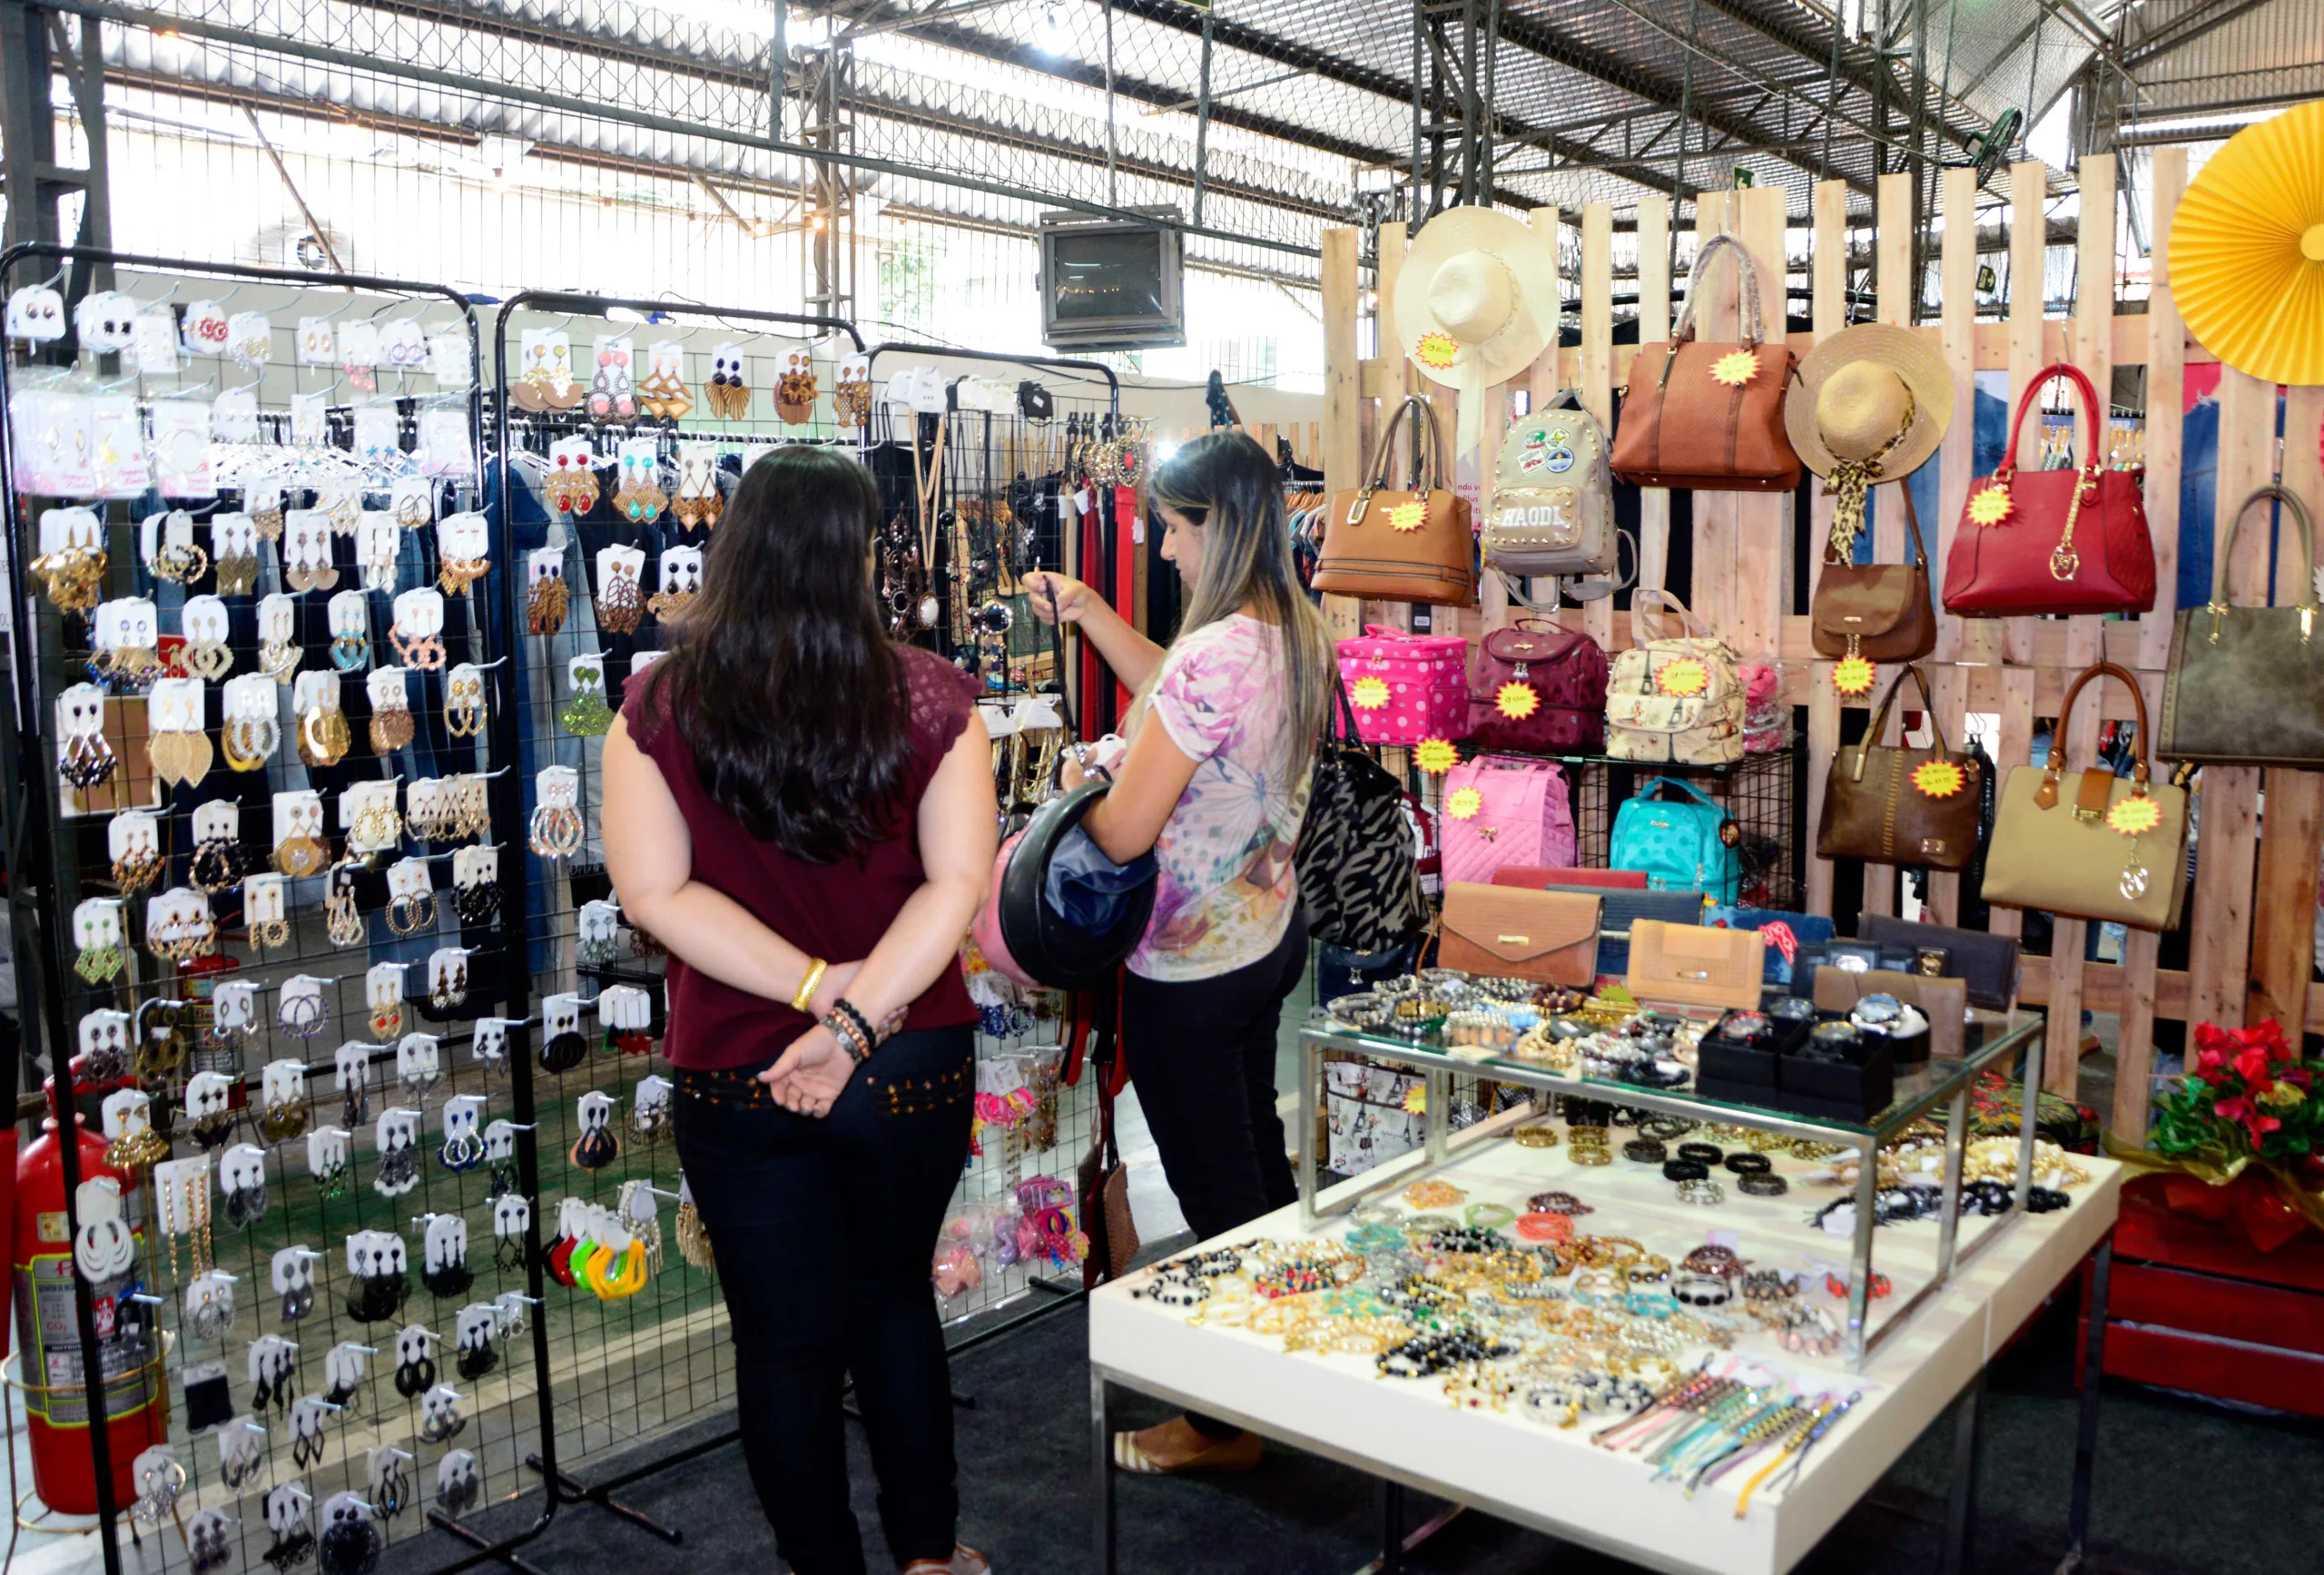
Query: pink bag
(1499,812)
(1406,687)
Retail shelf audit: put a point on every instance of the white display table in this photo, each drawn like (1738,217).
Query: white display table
(1555,1480)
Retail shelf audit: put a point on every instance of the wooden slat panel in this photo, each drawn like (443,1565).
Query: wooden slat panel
(1715,528)
(1827,264)
(1896,285)
(2166,361)
(1959,639)
(2028,353)
(1598,358)
(2291,846)
(1952,686)
(1760,592)
(2102,991)
(1653,328)
(2219,956)
(1343,434)
(2142,952)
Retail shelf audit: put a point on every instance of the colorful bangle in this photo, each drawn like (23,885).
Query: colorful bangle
(1488,1215)
(805,996)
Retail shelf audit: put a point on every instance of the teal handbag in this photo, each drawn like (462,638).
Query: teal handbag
(1680,844)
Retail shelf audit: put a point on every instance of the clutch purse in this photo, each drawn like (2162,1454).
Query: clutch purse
(1987,964)
(1508,932)
(1694,965)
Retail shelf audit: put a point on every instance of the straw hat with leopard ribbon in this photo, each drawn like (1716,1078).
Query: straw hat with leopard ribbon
(1873,402)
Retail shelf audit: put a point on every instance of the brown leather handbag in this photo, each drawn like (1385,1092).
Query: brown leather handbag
(1879,805)
(1710,417)
(1400,546)
(1508,932)
(1882,611)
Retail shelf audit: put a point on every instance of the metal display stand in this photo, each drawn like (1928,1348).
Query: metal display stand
(53,864)
(1919,1092)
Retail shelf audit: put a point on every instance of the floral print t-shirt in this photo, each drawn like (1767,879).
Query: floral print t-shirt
(1228,889)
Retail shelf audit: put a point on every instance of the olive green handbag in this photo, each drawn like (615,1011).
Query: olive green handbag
(2089,844)
(2245,685)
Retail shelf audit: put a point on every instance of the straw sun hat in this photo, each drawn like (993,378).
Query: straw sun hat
(1476,303)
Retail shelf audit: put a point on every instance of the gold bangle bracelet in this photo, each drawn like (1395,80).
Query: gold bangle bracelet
(816,967)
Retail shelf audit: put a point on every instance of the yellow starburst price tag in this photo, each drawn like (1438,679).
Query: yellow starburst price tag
(1683,677)
(1735,369)
(1465,804)
(2135,816)
(1368,694)
(1408,515)
(1435,756)
(1517,701)
(1439,350)
(1940,778)
(1990,505)
(1853,675)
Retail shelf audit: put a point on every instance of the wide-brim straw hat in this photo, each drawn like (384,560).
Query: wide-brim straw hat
(1858,388)
(1478,300)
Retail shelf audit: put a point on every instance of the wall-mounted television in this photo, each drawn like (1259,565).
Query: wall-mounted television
(1112,284)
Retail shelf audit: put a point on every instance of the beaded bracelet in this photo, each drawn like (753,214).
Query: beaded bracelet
(1558,1202)
(1488,1215)
(1749,1164)
(1703,1192)
(1706,1153)
(1644,1151)
(1684,1170)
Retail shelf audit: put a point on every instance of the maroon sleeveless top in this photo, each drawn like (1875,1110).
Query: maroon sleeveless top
(834,912)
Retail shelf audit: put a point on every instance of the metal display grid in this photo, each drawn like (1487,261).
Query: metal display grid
(57,857)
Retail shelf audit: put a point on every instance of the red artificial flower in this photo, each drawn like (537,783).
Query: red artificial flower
(2252,1065)
(2242,1109)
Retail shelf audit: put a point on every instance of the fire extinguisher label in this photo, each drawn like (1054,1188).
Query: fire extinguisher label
(53,1225)
(48,1332)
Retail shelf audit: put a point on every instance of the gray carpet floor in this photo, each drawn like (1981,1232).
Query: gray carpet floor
(2182,1488)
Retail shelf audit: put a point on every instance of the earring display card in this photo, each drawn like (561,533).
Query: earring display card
(241,1149)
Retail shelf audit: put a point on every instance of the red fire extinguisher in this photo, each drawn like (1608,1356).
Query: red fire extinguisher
(48,1329)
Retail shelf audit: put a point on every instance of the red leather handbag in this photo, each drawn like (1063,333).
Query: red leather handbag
(2054,541)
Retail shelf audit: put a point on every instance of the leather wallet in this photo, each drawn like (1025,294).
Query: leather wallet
(1987,962)
(1694,965)
(1620,908)
(1506,931)
(1944,1001)
(1543,877)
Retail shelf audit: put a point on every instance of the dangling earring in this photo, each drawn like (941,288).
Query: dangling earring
(620,605)
(546,605)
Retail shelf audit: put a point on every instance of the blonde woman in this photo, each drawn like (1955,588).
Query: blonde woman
(1222,743)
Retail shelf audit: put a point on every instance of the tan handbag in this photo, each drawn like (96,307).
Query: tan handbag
(1674,700)
(1710,417)
(1695,965)
(1881,611)
(1878,806)
(2065,842)
(1944,1001)
(1510,932)
(1400,546)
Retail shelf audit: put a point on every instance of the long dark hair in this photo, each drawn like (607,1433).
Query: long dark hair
(780,674)
(1226,486)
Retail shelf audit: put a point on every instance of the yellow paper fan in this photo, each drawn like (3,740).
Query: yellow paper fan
(1854,675)
(1408,515)
(1683,677)
(2135,816)
(1368,694)
(2247,249)
(1735,369)
(1939,779)
(1990,505)
(1435,756)
(1465,804)
(1517,701)
(1437,350)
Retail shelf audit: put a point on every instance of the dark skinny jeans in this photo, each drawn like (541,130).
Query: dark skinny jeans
(823,1232)
(1202,1058)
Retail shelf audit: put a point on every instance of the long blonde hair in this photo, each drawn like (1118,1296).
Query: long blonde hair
(1226,485)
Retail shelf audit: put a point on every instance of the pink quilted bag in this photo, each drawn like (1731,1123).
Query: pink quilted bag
(1404,688)
(1499,812)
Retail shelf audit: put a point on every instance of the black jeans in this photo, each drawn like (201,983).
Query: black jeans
(822,1231)
(1202,1056)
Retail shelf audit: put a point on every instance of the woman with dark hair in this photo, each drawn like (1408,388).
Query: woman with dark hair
(802,813)
(1222,744)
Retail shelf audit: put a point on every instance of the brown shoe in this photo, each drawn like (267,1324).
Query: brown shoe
(965,1560)
(1239,1453)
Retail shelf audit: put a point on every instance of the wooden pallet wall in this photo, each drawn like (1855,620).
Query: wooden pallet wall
(2253,904)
